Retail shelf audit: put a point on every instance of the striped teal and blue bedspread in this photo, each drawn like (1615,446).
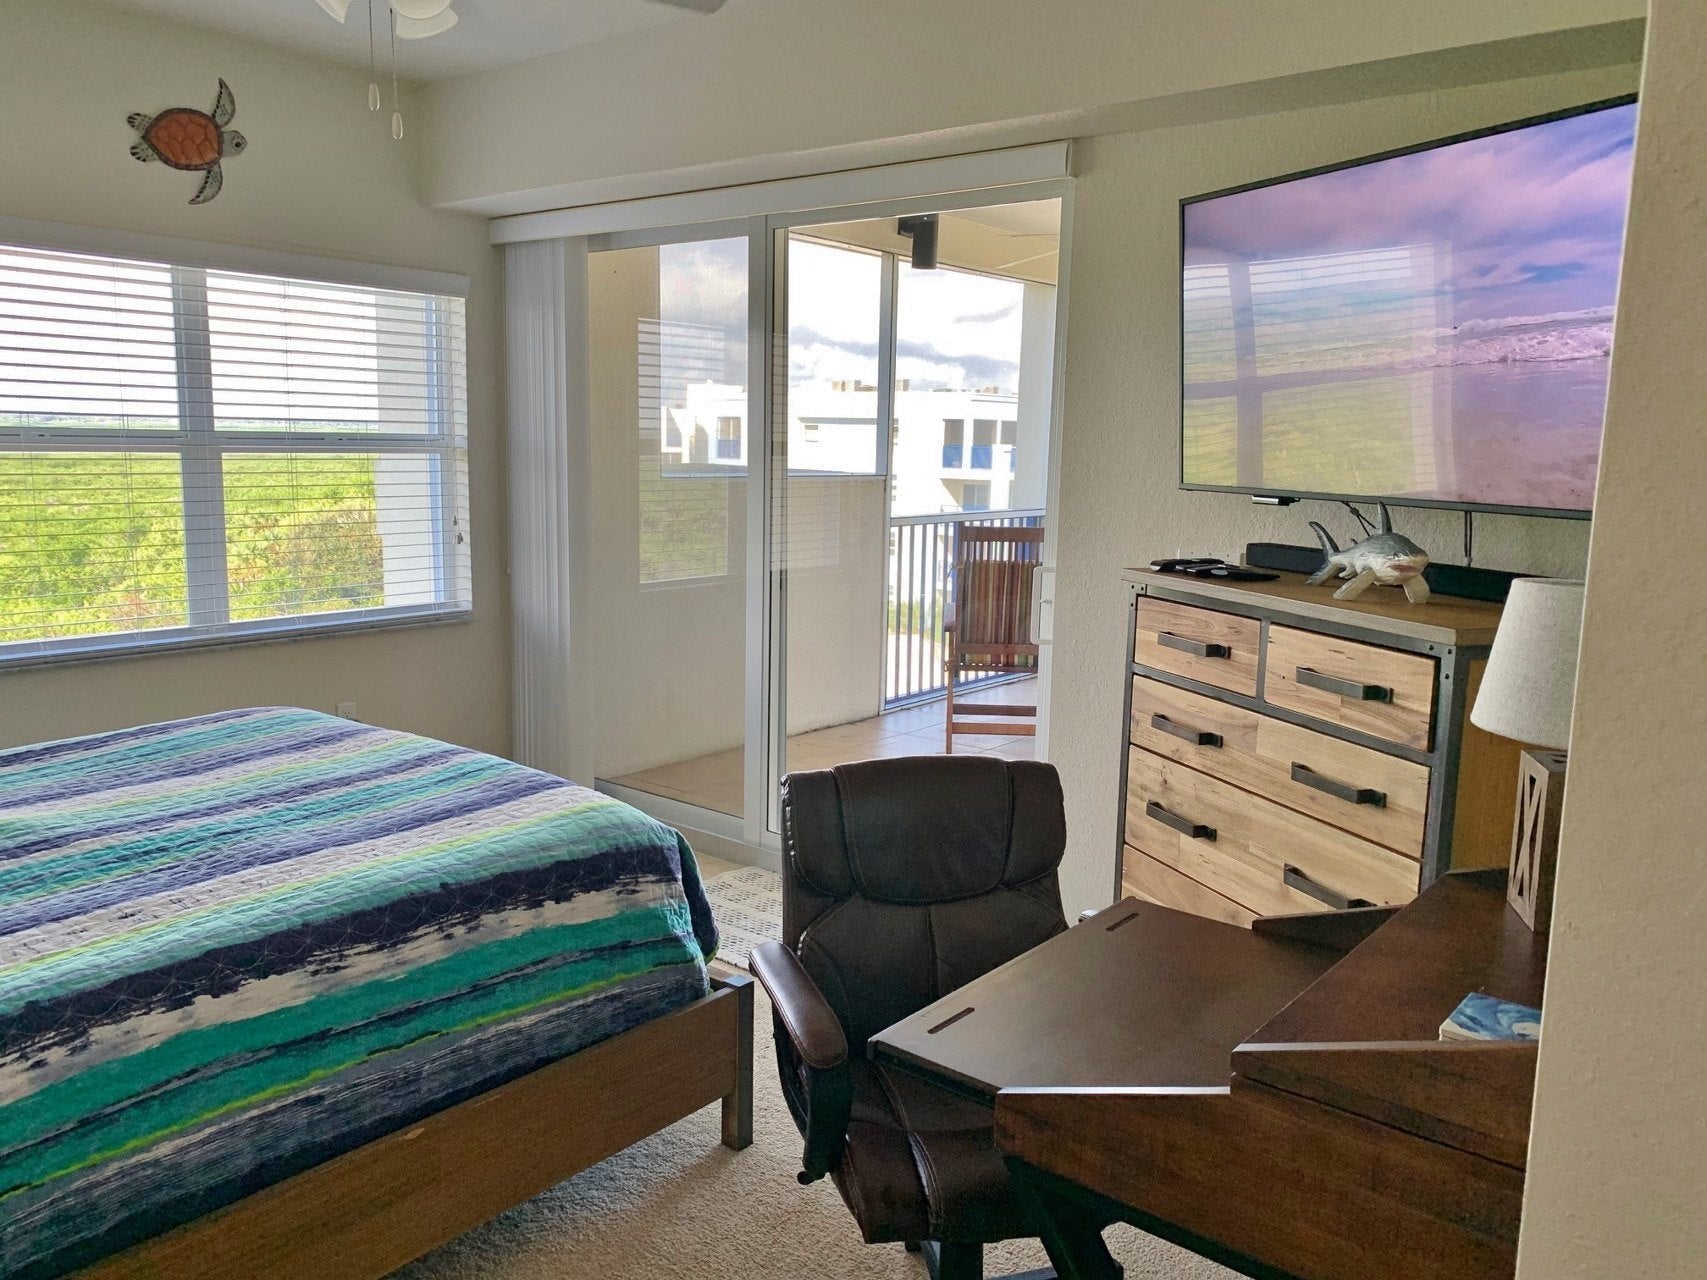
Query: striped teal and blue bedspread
(235,946)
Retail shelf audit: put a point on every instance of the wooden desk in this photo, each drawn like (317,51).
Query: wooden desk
(1137,994)
(1344,1141)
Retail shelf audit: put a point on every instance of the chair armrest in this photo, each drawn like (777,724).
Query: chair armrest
(823,1100)
(811,1024)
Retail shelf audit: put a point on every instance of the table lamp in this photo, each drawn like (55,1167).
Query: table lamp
(1526,695)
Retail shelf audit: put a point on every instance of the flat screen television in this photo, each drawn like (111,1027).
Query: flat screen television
(1430,327)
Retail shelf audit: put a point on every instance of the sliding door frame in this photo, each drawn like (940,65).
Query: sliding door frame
(766,619)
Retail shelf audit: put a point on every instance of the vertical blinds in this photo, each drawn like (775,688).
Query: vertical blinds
(191,454)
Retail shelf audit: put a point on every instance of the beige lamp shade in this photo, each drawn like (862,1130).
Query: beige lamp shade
(1532,671)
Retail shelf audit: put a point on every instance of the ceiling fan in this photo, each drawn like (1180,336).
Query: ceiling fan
(419,19)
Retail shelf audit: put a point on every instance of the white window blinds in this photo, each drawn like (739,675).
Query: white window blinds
(190,454)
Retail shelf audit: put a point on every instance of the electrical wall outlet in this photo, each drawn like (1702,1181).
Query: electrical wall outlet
(347,710)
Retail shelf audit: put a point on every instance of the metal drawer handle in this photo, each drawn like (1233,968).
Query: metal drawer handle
(1306,776)
(1197,737)
(1185,826)
(1345,688)
(1185,644)
(1293,878)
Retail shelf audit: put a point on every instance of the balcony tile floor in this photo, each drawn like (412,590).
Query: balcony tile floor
(714,781)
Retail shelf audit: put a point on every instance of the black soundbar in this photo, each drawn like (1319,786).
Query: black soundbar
(1457,580)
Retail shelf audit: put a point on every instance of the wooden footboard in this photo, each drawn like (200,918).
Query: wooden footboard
(366,1213)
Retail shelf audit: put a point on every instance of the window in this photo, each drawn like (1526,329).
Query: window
(983,440)
(953,432)
(728,437)
(190,454)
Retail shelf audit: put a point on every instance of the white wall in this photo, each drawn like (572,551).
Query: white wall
(1118,502)
(837,535)
(1617,1170)
(777,87)
(323,176)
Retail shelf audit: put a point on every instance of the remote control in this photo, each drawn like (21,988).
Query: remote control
(1185,564)
(1232,573)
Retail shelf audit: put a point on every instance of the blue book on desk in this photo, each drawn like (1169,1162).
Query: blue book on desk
(1482,1017)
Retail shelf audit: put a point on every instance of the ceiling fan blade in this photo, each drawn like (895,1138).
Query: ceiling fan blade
(695,6)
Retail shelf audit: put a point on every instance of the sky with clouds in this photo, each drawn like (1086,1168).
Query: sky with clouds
(954,330)
(1529,222)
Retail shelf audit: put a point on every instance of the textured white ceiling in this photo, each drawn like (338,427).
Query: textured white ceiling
(489,33)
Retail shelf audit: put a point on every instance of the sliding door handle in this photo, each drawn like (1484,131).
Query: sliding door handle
(1034,632)
(1304,775)
(1345,688)
(1185,826)
(1197,737)
(1293,878)
(1197,648)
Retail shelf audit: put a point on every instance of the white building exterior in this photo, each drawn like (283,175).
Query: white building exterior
(950,451)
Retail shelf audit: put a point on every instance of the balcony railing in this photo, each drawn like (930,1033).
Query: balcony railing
(982,457)
(921,557)
(951,456)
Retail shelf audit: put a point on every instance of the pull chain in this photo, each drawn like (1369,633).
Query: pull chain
(396,110)
(372,68)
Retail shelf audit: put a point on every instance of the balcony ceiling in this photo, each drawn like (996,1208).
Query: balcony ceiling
(1020,241)
(489,33)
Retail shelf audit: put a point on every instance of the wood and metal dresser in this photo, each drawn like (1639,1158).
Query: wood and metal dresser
(1288,752)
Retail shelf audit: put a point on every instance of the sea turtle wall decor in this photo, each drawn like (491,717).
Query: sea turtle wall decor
(185,138)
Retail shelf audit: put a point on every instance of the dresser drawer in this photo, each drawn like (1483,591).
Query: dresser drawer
(1370,794)
(1246,848)
(1144,877)
(1381,692)
(1199,644)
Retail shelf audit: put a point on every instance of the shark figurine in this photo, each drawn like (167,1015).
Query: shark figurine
(1384,557)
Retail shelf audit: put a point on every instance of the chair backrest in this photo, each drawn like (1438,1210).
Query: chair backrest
(904,879)
(992,594)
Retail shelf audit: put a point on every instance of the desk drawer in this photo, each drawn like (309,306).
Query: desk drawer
(1199,644)
(1144,877)
(1247,848)
(1381,692)
(1377,796)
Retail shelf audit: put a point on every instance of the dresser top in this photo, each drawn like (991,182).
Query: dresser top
(1444,619)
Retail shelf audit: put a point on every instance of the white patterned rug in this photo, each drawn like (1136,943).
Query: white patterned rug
(747,905)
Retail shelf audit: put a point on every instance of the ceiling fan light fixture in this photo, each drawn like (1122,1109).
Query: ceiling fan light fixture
(419,10)
(339,9)
(420,28)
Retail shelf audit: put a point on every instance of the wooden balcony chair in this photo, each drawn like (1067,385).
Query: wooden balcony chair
(987,626)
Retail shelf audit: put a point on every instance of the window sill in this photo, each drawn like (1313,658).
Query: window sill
(240,635)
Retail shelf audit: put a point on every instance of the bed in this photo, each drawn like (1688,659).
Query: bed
(282,994)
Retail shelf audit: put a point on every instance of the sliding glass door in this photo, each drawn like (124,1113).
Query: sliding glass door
(916,405)
(790,424)
(668,355)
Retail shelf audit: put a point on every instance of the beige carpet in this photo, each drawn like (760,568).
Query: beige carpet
(747,904)
(679,1204)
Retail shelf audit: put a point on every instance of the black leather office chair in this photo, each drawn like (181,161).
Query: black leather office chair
(902,880)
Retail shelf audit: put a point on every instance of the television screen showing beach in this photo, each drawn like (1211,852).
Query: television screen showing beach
(1434,326)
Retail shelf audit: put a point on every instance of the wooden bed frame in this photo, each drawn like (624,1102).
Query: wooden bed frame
(369,1211)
